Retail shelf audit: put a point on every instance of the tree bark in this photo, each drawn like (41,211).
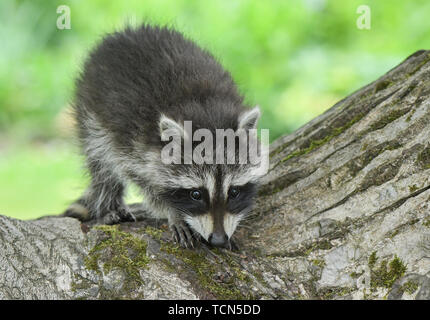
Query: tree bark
(342,214)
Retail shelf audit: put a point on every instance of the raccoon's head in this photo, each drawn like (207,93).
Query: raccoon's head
(212,197)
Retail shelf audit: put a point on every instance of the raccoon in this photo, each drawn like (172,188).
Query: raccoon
(135,86)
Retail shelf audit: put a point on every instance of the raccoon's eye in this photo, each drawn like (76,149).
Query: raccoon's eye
(233,192)
(195,194)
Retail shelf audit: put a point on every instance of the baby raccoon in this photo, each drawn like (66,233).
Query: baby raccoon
(136,86)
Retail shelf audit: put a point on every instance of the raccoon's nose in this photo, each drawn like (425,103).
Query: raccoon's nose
(218,239)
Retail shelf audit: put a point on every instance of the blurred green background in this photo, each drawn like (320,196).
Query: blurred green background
(294,58)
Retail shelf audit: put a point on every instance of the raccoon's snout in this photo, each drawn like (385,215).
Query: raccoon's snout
(218,239)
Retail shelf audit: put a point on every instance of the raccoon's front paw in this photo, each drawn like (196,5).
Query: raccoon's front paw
(118,216)
(183,235)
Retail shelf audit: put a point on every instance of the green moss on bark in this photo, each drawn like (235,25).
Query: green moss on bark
(315,144)
(210,274)
(384,84)
(392,116)
(387,273)
(424,158)
(410,287)
(118,250)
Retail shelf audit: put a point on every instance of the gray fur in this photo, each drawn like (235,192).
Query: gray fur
(134,85)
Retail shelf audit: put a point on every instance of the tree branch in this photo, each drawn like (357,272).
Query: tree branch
(343,213)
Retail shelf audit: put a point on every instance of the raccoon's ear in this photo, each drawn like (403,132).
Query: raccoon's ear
(249,118)
(169,127)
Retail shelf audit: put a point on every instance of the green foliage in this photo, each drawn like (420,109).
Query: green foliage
(295,59)
(39,181)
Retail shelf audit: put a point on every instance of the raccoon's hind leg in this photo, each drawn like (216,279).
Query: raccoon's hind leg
(102,201)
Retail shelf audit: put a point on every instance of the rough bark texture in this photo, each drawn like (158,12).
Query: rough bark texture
(344,213)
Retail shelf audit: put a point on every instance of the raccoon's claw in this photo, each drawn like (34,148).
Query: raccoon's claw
(118,216)
(232,245)
(183,235)
(110,218)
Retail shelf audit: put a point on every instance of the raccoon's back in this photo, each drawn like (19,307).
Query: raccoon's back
(136,74)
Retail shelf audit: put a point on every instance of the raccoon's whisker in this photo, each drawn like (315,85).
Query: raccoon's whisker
(247,218)
(250,216)
(244,222)
(245,226)
(182,210)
